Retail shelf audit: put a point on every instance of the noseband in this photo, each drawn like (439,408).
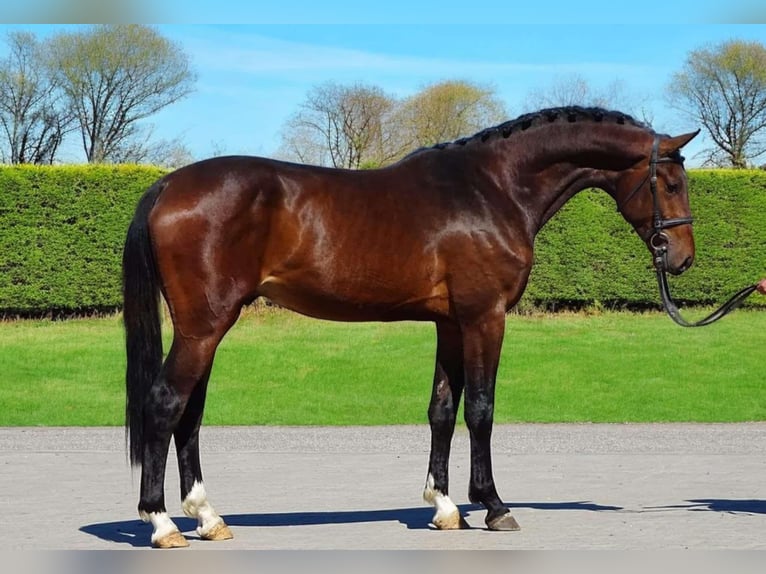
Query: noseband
(658,243)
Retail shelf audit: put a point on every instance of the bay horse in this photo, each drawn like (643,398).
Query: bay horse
(444,235)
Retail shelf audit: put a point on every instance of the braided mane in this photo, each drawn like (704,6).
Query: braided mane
(569,114)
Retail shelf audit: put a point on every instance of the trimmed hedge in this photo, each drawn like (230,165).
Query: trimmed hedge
(62,230)
(61,235)
(588,254)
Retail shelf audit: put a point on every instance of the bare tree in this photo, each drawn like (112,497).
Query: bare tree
(340,126)
(170,154)
(575,90)
(724,89)
(113,77)
(303,142)
(32,117)
(143,148)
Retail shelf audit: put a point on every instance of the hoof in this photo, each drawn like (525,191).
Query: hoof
(452,522)
(503,522)
(219,532)
(172,540)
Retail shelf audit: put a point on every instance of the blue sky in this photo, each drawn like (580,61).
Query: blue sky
(252,77)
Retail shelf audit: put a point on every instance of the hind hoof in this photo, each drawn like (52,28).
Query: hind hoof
(504,522)
(172,540)
(451,522)
(219,532)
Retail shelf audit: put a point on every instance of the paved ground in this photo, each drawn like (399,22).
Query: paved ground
(570,487)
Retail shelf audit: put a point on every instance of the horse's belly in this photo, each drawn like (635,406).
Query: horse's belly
(360,304)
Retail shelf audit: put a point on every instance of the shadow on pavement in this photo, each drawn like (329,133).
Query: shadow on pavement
(743,506)
(137,533)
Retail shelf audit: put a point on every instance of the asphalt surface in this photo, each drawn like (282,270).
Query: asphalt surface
(670,486)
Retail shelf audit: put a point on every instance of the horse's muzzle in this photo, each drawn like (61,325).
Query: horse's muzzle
(660,245)
(681,268)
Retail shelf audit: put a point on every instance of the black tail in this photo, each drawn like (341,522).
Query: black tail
(141,316)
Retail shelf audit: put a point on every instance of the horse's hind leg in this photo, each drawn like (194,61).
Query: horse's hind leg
(195,504)
(445,398)
(185,369)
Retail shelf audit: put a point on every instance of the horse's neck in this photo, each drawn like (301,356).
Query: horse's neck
(546,172)
(552,193)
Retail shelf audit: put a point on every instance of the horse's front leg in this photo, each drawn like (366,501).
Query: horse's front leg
(482,341)
(448,386)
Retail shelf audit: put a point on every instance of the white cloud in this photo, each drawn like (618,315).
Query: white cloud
(270,57)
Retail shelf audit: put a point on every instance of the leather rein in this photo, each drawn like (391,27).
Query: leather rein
(658,242)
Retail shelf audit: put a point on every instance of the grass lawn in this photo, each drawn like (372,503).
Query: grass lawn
(277,367)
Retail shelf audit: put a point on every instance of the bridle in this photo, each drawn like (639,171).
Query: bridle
(658,243)
(658,240)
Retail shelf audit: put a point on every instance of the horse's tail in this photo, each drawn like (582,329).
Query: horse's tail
(141,317)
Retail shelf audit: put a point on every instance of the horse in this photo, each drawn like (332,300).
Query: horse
(444,235)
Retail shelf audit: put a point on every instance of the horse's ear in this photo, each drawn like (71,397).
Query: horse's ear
(671,145)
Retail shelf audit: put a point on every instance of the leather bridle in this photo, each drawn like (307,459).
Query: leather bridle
(658,240)
(658,243)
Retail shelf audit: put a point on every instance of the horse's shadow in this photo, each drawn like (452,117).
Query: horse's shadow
(733,506)
(137,533)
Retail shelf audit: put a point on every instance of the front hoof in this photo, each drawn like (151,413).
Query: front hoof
(219,532)
(450,522)
(505,522)
(172,540)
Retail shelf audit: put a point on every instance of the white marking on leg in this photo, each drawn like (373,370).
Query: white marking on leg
(447,515)
(195,505)
(161,522)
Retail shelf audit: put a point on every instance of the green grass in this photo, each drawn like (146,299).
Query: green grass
(276,367)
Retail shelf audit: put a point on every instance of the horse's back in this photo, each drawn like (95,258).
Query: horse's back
(337,244)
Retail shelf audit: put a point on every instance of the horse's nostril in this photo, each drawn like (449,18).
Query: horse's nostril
(686,264)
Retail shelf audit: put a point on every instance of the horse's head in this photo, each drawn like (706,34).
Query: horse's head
(653,198)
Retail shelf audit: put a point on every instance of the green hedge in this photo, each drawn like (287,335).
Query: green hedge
(588,254)
(61,235)
(62,229)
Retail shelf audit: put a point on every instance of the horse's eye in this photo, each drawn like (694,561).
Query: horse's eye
(672,187)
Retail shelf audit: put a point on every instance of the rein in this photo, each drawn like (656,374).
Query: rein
(672,310)
(658,242)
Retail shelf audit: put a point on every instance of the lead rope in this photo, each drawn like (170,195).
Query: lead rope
(672,309)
